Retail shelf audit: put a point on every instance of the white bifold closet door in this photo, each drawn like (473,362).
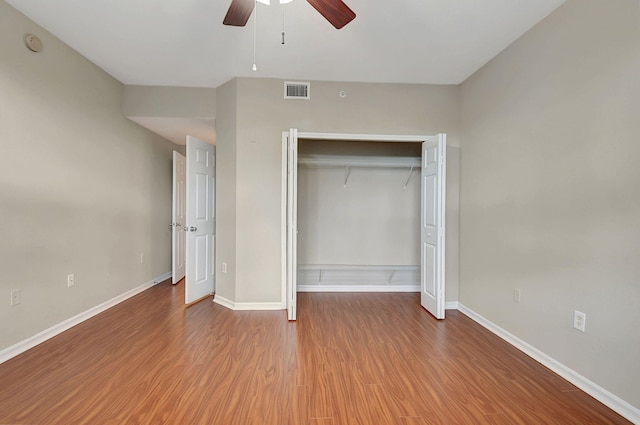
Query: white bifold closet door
(432,215)
(290,143)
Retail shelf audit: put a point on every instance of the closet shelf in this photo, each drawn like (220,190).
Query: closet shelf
(318,277)
(355,267)
(353,161)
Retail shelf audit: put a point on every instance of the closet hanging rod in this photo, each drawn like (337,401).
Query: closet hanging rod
(359,161)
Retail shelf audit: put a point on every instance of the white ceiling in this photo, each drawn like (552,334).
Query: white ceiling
(183,42)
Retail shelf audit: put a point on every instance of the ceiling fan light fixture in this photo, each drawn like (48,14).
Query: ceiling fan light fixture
(335,11)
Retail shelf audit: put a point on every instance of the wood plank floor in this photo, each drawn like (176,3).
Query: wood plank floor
(350,359)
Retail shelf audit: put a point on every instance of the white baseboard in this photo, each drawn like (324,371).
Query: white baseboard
(451,305)
(162,278)
(594,390)
(259,306)
(358,288)
(41,337)
(232,305)
(224,302)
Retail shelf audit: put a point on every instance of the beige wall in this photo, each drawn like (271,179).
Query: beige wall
(262,115)
(226,190)
(173,112)
(157,101)
(371,221)
(550,199)
(83,190)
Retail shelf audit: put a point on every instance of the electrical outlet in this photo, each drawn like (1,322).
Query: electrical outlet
(71,280)
(516,295)
(224,267)
(579,320)
(15,297)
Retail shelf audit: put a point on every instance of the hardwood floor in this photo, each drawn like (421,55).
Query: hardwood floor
(350,359)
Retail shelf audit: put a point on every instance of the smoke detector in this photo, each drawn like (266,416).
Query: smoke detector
(33,42)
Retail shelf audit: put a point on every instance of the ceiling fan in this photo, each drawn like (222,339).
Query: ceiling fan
(334,11)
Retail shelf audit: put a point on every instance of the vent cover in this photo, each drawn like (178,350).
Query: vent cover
(297,90)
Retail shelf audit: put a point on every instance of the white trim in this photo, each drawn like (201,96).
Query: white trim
(232,305)
(57,329)
(283,222)
(594,390)
(451,305)
(161,278)
(225,302)
(365,137)
(358,288)
(292,223)
(258,306)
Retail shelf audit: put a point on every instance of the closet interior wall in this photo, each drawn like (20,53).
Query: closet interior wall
(358,216)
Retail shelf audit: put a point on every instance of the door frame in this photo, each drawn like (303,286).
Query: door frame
(178,205)
(345,137)
(290,144)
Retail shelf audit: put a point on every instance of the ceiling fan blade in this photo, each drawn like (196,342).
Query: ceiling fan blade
(239,12)
(334,11)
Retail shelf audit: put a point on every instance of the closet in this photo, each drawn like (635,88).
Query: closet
(358,216)
(336,238)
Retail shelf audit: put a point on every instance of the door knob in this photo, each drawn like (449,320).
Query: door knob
(193,228)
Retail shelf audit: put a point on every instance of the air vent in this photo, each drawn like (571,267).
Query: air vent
(297,90)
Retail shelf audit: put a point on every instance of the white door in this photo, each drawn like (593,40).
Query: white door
(177,218)
(200,223)
(290,143)
(432,212)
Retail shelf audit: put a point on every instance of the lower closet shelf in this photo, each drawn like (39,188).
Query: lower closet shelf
(357,278)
